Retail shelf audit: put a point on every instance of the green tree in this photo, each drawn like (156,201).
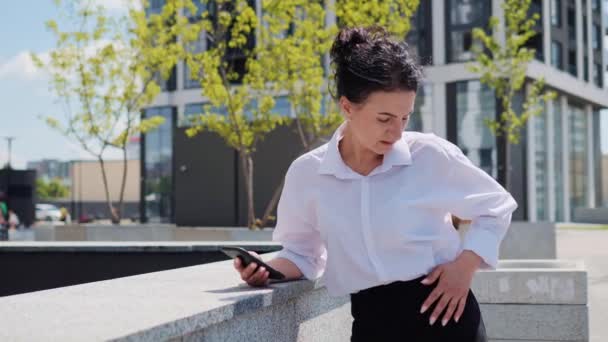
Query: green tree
(52,189)
(290,55)
(301,72)
(104,70)
(503,66)
(241,110)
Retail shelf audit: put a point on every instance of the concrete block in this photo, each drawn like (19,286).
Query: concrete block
(536,322)
(526,240)
(532,282)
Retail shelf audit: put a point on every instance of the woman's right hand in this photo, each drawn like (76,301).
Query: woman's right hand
(249,274)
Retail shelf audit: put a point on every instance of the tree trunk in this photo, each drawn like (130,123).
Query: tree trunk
(121,197)
(272,204)
(106,189)
(247,162)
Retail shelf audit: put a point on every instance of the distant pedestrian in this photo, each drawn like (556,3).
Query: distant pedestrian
(3,211)
(13,219)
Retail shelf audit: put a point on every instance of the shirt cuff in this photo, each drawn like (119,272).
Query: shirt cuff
(484,243)
(310,269)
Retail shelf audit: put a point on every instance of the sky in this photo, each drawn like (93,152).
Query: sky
(24,90)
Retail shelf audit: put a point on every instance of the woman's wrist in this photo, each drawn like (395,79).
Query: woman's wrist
(470,259)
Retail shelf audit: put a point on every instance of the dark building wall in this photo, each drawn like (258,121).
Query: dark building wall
(209,184)
(271,161)
(19,186)
(205,180)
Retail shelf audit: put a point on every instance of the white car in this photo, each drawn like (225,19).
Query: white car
(47,212)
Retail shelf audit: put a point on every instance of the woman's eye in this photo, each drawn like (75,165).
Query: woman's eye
(384,120)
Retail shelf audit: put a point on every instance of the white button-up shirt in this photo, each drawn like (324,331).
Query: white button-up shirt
(395,223)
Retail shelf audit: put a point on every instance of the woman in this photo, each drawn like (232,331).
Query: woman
(371,210)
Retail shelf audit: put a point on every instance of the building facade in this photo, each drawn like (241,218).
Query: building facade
(555,168)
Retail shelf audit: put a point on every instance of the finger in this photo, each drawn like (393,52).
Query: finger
(260,278)
(255,277)
(450,311)
(460,309)
(433,276)
(431,299)
(439,308)
(238,265)
(248,271)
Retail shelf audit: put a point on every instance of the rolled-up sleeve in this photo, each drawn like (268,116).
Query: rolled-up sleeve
(295,228)
(470,193)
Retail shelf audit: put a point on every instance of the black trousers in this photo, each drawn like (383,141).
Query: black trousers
(391,312)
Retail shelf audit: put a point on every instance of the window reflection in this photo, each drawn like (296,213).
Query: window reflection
(540,161)
(464,16)
(558,165)
(578,157)
(421,118)
(158,167)
(474,104)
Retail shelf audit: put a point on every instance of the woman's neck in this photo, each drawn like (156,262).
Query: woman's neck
(356,156)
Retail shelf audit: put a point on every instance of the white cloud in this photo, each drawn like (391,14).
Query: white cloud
(22,67)
(118,5)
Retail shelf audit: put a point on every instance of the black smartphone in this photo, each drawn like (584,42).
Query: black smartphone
(246,259)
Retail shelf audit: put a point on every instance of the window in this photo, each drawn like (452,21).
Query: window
(158,165)
(597,77)
(422,117)
(595,36)
(585,68)
(556,55)
(462,16)
(556,13)
(595,5)
(467,12)
(571,27)
(540,161)
(282,107)
(155,7)
(201,7)
(558,162)
(572,63)
(192,110)
(169,84)
(578,157)
(474,104)
(197,46)
(419,38)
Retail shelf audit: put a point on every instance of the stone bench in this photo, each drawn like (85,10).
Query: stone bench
(522,301)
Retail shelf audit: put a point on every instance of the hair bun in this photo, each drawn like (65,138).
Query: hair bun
(348,39)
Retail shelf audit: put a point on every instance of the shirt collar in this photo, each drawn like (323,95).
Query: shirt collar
(333,164)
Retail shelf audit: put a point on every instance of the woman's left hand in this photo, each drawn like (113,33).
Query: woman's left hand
(454,283)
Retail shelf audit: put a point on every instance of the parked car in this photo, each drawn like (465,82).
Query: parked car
(47,212)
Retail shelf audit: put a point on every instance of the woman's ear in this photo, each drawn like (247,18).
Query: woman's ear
(346,107)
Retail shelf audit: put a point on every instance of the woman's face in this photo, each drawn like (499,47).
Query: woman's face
(378,122)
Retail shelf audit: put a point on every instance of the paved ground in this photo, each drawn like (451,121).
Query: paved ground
(592,247)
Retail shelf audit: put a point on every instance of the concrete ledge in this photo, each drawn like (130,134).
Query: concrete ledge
(109,246)
(209,302)
(148,232)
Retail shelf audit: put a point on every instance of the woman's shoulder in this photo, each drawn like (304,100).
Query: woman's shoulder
(309,162)
(429,143)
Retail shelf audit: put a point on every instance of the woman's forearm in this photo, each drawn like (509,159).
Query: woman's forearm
(288,268)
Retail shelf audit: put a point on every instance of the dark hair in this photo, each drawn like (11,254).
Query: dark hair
(368,60)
